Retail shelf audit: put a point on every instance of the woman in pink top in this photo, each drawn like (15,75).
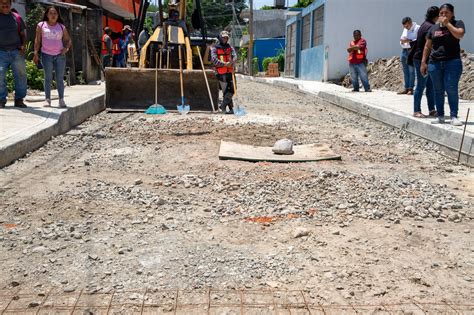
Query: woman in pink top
(55,42)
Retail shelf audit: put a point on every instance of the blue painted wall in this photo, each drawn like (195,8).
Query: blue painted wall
(312,63)
(267,47)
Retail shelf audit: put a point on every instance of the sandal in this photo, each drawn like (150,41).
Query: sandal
(433,113)
(419,115)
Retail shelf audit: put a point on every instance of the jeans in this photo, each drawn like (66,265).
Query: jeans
(14,59)
(421,83)
(58,64)
(445,76)
(106,61)
(359,71)
(408,71)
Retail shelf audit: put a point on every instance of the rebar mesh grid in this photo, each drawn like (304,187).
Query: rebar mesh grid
(150,301)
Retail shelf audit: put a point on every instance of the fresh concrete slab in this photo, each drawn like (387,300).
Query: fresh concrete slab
(24,130)
(392,109)
(302,153)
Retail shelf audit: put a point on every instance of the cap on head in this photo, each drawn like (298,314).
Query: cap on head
(127,28)
(225,34)
(107,29)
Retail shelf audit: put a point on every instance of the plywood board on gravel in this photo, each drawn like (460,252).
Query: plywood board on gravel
(303,153)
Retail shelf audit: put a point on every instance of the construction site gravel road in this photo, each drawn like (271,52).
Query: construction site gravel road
(128,201)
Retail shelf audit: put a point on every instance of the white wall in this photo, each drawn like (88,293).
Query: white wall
(381,24)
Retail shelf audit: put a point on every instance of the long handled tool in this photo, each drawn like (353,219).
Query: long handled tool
(205,79)
(156,109)
(182,108)
(463,133)
(238,111)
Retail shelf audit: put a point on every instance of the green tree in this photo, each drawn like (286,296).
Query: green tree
(266,7)
(303,3)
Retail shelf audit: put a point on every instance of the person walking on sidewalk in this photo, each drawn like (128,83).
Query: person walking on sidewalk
(423,81)
(106,51)
(223,56)
(12,53)
(357,62)
(53,39)
(445,65)
(409,35)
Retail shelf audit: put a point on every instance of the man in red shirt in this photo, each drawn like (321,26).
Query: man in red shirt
(357,62)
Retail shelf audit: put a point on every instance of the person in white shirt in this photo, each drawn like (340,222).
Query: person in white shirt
(410,31)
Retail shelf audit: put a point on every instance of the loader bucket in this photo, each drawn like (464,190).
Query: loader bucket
(133,89)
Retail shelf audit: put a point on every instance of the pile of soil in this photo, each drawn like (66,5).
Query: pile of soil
(387,74)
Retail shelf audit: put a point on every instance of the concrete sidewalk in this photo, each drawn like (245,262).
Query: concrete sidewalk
(24,130)
(392,109)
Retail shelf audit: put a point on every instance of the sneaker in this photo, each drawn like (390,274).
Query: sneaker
(410,92)
(402,92)
(455,121)
(439,120)
(19,103)
(433,113)
(47,103)
(355,91)
(62,104)
(230,112)
(368,91)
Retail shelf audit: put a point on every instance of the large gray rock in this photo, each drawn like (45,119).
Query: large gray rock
(283,146)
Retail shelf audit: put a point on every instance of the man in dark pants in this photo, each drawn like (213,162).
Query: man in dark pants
(106,50)
(223,56)
(12,53)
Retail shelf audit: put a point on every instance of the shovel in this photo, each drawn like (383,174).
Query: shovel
(239,110)
(182,108)
(156,109)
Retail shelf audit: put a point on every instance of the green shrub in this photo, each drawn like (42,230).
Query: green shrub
(255,66)
(280,59)
(265,63)
(34,76)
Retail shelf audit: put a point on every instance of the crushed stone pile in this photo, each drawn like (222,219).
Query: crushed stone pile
(387,74)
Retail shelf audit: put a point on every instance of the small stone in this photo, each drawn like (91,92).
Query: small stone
(467,231)
(138,181)
(33,304)
(273,284)
(87,163)
(14,283)
(336,232)
(300,232)
(69,289)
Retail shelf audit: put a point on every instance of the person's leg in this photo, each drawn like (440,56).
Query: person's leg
(47,62)
(59,68)
(4,64)
(411,75)
(19,75)
(430,96)
(420,87)
(364,77)
(406,72)
(230,91)
(452,74)
(354,77)
(435,70)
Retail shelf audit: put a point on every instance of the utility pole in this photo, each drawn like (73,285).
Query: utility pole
(250,52)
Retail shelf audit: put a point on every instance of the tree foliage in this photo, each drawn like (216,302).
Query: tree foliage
(303,3)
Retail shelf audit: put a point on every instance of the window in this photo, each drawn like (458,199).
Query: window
(318,26)
(305,34)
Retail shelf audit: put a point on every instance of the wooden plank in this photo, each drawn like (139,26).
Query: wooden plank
(303,153)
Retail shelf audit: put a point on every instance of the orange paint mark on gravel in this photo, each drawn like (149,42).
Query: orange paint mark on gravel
(10,225)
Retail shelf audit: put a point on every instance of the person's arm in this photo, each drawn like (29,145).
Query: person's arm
(458,32)
(37,45)
(215,60)
(426,54)
(233,56)
(108,44)
(22,36)
(67,41)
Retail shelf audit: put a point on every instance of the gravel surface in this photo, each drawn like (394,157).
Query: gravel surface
(128,201)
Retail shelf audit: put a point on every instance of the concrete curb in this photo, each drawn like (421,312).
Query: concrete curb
(448,139)
(58,122)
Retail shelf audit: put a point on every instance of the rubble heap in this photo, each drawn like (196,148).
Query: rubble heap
(387,74)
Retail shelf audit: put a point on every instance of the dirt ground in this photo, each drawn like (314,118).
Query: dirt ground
(130,201)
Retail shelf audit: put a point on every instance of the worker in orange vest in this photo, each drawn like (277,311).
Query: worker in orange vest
(106,50)
(358,61)
(116,50)
(223,57)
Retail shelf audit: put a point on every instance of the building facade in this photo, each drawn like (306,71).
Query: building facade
(317,38)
